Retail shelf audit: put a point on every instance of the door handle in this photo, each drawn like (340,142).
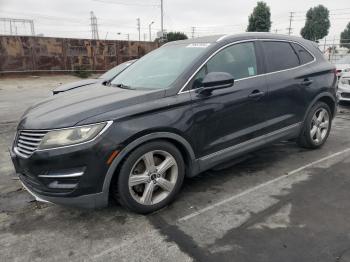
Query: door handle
(306,82)
(256,94)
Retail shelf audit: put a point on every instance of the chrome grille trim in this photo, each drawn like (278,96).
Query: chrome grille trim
(27,141)
(23,149)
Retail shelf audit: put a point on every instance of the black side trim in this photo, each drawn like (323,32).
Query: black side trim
(214,159)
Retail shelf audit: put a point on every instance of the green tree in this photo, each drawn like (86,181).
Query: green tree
(317,23)
(174,36)
(345,37)
(260,19)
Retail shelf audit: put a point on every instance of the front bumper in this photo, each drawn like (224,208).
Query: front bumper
(97,200)
(71,176)
(343,93)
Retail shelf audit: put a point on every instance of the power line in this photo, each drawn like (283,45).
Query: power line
(13,22)
(127,4)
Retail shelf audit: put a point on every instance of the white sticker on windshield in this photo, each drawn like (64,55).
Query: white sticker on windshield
(251,71)
(198,45)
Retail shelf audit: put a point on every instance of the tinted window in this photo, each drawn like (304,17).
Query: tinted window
(280,55)
(239,60)
(304,56)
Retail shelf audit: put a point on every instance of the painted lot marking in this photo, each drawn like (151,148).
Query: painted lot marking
(253,189)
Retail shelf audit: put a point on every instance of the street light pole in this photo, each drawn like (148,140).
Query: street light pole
(150,30)
(161,18)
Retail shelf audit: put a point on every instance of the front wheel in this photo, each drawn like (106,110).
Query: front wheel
(316,127)
(150,177)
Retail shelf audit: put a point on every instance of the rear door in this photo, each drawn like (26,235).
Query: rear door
(287,80)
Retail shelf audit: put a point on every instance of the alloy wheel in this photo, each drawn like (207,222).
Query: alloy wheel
(153,177)
(319,126)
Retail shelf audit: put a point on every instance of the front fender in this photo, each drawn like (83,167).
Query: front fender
(141,140)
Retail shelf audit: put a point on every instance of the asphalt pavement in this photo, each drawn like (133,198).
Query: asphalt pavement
(281,203)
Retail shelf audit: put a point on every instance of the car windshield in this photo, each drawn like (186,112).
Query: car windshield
(114,71)
(344,60)
(160,68)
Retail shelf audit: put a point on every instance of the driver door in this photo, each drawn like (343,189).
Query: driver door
(228,118)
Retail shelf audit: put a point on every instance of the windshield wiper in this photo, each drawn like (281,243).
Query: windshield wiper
(121,85)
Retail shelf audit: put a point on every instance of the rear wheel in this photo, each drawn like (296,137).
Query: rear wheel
(316,127)
(150,177)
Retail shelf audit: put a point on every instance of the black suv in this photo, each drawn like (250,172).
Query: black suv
(181,109)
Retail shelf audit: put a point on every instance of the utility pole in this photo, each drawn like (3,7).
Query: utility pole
(290,23)
(150,30)
(94,29)
(161,19)
(139,27)
(31,22)
(193,30)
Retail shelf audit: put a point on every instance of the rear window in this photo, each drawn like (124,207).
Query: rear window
(305,56)
(280,55)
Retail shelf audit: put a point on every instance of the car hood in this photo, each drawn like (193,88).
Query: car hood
(342,66)
(73,85)
(68,109)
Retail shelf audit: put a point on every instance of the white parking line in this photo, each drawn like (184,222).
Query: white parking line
(246,192)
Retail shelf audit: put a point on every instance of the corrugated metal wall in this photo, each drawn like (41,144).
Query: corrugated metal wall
(26,53)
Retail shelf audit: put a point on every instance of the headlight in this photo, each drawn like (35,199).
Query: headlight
(71,136)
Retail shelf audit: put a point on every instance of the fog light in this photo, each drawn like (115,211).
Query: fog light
(57,185)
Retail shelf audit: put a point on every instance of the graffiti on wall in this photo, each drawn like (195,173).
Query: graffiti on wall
(28,53)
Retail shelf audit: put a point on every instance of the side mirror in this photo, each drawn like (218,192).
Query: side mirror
(215,80)
(106,83)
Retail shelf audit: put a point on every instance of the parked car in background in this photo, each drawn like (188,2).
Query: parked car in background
(343,92)
(183,108)
(343,65)
(103,79)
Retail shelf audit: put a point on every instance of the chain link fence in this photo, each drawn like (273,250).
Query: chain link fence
(335,50)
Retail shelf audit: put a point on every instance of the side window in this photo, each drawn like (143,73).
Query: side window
(239,60)
(305,56)
(280,55)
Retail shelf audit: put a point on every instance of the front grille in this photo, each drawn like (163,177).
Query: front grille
(28,141)
(345,81)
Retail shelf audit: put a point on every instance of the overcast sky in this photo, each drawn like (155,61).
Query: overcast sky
(71,18)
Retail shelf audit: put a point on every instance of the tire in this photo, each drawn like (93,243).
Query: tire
(141,185)
(309,138)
